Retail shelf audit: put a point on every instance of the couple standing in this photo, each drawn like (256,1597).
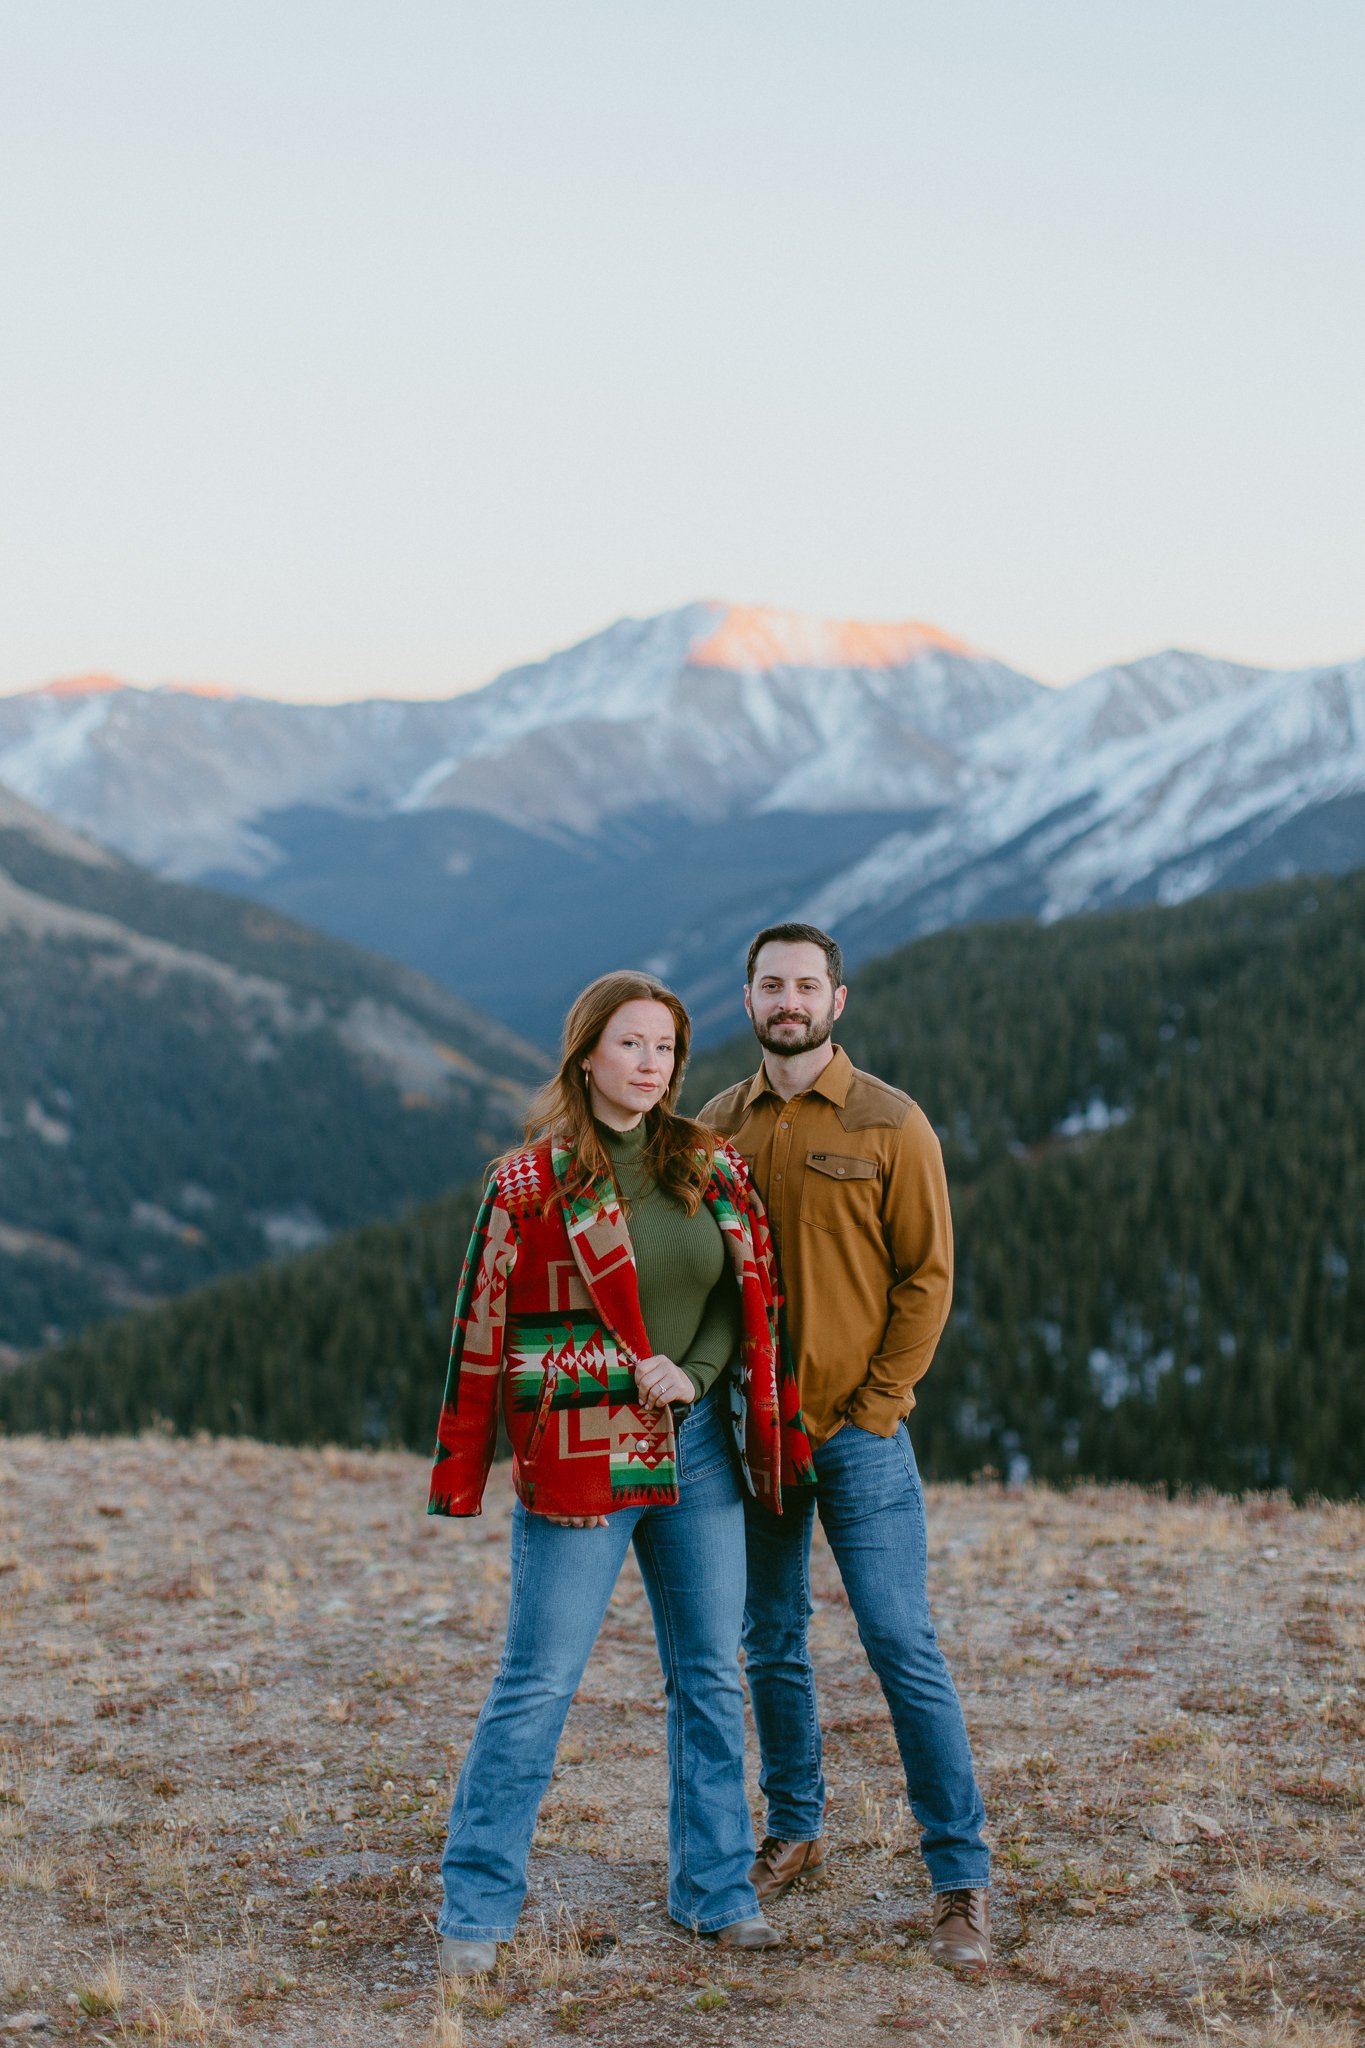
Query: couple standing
(620,1289)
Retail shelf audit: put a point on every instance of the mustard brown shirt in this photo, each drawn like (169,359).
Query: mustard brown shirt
(852,1177)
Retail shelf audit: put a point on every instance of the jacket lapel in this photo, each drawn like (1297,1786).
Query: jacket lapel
(736,1227)
(601,1249)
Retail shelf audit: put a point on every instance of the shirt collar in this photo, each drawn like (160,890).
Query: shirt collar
(757,1087)
(832,1081)
(627,1145)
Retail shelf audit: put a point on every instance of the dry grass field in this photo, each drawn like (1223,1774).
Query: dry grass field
(236,1684)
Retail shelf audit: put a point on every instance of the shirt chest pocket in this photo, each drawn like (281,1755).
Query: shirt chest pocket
(840,1191)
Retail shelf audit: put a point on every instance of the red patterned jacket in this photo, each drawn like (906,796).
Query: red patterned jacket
(549,1307)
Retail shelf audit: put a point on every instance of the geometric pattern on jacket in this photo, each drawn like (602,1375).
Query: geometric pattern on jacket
(548,1323)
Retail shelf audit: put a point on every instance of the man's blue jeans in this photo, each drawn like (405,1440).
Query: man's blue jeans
(691,1558)
(871,1507)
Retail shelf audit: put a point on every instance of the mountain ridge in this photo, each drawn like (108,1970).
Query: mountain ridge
(663,802)
(742,636)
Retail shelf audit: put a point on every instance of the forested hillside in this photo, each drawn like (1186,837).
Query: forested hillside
(189,1082)
(1154,1124)
(342,1345)
(1155,1130)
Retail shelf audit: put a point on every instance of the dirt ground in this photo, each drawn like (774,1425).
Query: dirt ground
(236,1683)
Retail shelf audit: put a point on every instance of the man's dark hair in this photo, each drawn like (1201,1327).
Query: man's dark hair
(799,935)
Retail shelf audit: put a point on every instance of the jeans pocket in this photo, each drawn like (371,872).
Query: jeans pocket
(864,1437)
(862,1474)
(907,1458)
(706,1450)
(702,1449)
(692,1475)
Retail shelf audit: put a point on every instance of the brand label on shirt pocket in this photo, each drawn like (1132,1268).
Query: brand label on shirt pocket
(839,1191)
(842,1165)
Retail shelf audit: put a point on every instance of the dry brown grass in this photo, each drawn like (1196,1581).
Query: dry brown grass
(106,1992)
(551,1953)
(24,1871)
(446,2029)
(232,1710)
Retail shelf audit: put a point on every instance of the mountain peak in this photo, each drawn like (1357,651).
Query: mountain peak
(97,685)
(756,636)
(93,685)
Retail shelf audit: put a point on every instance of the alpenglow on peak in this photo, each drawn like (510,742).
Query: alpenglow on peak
(755,637)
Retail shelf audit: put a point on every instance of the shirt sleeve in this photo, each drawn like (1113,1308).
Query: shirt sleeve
(917,1225)
(718,1334)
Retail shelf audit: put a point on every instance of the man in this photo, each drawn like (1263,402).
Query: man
(852,1176)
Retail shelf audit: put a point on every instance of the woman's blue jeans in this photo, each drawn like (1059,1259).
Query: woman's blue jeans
(871,1508)
(691,1557)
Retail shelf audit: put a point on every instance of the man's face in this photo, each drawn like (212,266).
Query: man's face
(791,1000)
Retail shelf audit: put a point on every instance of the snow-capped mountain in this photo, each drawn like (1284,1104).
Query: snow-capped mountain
(1111,706)
(721,708)
(709,709)
(1157,781)
(175,778)
(702,771)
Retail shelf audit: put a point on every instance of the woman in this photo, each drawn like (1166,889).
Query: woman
(599,1295)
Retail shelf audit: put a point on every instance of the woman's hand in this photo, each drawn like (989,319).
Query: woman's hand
(578,1521)
(660,1381)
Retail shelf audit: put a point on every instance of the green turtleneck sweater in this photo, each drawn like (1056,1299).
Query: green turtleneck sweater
(689,1297)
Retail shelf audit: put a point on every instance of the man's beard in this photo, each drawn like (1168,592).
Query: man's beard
(789,1043)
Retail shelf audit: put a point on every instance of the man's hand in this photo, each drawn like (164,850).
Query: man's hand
(660,1381)
(578,1521)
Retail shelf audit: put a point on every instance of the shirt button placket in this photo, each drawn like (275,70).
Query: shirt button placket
(785,1178)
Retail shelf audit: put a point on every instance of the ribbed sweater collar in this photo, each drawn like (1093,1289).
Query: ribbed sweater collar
(626,1146)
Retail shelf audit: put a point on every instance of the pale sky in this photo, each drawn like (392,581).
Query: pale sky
(354,346)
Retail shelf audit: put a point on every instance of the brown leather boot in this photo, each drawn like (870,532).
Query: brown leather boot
(779,1864)
(961,1930)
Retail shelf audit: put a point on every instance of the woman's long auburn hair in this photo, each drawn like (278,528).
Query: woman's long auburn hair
(677,1150)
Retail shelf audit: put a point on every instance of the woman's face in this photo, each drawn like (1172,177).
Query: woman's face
(631,1065)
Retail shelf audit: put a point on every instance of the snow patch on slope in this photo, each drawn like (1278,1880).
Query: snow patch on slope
(1093,822)
(58,745)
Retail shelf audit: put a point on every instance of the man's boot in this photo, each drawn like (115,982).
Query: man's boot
(961,1929)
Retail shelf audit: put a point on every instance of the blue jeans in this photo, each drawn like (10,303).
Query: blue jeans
(871,1507)
(691,1557)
